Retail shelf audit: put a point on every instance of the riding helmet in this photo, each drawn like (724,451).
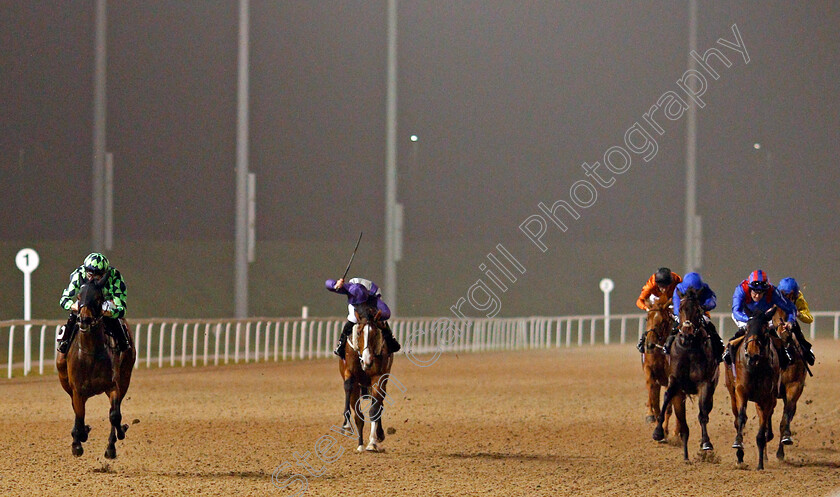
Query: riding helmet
(96,263)
(758,280)
(788,285)
(693,280)
(663,276)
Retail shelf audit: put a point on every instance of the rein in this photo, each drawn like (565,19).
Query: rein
(86,327)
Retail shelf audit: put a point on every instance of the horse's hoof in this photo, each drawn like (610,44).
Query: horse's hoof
(707,446)
(78,450)
(786,440)
(658,434)
(360,449)
(372,447)
(121,432)
(111,453)
(649,419)
(737,445)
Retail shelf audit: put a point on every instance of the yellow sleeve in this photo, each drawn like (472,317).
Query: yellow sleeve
(802,310)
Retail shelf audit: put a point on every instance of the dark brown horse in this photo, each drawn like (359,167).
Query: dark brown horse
(366,368)
(792,379)
(693,370)
(754,377)
(93,366)
(654,360)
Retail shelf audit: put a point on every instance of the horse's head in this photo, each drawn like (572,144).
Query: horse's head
(90,305)
(757,338)
(367,336)
(691,318)
(780,323)
(658,321)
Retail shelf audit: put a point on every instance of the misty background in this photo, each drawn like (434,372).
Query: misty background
(507,100)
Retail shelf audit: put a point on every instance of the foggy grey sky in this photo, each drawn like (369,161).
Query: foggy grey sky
(508,99)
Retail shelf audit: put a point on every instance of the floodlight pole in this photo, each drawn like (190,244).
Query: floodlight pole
(97,222)
(693,239)
(241,242)
(390,289)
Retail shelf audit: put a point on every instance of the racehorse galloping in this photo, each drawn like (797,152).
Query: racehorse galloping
(92,366)
(792,380)
(367,365)
(654,361)
(693,370)
(754,377)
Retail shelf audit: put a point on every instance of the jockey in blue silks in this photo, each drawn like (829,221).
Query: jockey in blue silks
(708,301)
(753,295)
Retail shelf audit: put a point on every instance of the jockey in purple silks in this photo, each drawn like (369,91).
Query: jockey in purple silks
(360,291)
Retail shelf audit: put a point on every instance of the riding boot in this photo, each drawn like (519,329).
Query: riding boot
(388,335)
(717,347)
(116,330)
(807,348)
(727,351)
(784,357)
(727,354)
(666,349)
(342,339)
(717,342)
(66,334)
(641,344)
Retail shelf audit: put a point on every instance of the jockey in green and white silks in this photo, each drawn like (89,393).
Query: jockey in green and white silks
(95,268)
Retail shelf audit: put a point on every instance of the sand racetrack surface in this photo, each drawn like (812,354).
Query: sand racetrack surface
(546,422)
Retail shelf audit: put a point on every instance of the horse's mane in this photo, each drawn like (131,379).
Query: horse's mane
(758,320)
(89,293)
(367,311)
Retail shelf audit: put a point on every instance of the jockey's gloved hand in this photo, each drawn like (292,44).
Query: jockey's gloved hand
(108,307)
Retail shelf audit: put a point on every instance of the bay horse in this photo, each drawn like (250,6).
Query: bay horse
(791,379)
(754,377)
(366,367)
(693,370)
(654,360)
(93,366)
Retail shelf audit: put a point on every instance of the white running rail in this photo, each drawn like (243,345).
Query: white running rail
(202,342)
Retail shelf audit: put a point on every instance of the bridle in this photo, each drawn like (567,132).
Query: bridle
(761,338)
(690,325)
(660,329)
(366,352)
(85,324)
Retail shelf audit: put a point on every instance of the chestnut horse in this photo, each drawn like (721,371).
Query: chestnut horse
(693,370)
(93,366)
(754,377)
(792,380)
(366,367)
(654,361)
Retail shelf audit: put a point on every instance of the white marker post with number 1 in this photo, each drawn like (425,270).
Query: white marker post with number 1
(27,261)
